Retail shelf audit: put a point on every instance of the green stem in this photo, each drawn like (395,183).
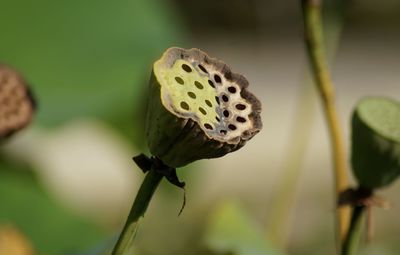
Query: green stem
(280,214)
(352,240)
(315,48)
(138,209)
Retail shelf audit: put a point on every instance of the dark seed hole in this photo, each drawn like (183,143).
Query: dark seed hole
(186,68)
(232,127)
(192,95)
(202,68)
(217,99)
(208,126)
(179,80)
(226,113)
(217,78)
(208,103)
(223,132)
(184,106)
(225,98)
(232,89)
(198,85)
(241,119)
(217,119)
(211,83)
(240,106)
(201,109)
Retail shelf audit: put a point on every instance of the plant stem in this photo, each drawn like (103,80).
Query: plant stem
(280,214)
(142,200)
(315,48)
(351,242)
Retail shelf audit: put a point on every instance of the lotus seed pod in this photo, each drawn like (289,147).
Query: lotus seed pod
(16,102)
(376,142)
(198,108)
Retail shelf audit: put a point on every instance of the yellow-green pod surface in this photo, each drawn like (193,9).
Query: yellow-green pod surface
(198,108)
(376,142)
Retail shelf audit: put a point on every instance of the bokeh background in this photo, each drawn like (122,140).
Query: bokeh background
(67,182)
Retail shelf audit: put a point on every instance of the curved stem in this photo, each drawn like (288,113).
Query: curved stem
(351,242)
(280,214)
(315,48)
(142,200)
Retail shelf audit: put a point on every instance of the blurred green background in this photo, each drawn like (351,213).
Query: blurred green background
(67,182)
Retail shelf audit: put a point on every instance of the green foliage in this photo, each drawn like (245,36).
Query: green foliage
(231,231)
(376,142)
(51,227)
(86,58)
(83,59)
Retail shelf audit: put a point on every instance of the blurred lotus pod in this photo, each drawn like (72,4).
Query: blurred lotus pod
(16,102)
(198,108)
(376,142)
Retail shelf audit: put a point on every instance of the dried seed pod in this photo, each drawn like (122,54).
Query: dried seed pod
(198,108)
(16,102)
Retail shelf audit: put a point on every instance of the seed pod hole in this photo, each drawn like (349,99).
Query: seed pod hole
(208,126)
(223,132)
(226,113)
(5,102)
(208,103)
(217,119)
(225,98)
(186,68)
(203,69)
(211,83)
(201,109)
(232,89)
(232,127)
(192,95)
(184,106)
(240,107)
(198,85)
(179,80)
(217,78)
(241,119)
(217,100)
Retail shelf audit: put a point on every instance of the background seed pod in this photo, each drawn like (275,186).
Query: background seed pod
(16,102)
(376,142)
(198,108)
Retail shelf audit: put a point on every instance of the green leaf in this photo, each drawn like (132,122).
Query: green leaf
(51,227)
(231,230)
(376,141)
(86,58)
